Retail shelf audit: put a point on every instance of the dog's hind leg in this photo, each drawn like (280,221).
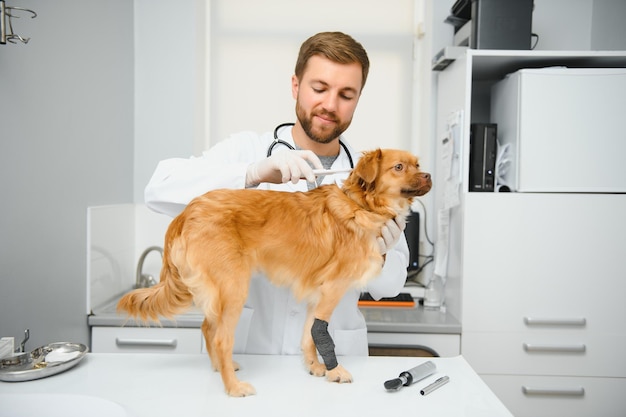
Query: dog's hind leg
(224,342)
(221,294)
(228,309)
(208,331)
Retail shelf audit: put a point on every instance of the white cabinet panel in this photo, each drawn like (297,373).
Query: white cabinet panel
(543,256)
(145,340)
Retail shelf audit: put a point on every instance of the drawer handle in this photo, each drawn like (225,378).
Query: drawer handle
(575,392)
(576,348)
(169,343)
(534,321)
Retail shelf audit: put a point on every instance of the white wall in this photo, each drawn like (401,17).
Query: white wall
(249,49)
(569,25)
(170,46)
(580,24)
(254,49)
(66,142)
(608,31)
(572,31)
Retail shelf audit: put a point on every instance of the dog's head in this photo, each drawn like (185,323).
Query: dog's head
(387,178)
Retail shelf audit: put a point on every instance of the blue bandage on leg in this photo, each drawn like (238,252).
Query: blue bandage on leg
(324,343)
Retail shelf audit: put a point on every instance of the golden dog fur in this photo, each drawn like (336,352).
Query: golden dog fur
(320,243)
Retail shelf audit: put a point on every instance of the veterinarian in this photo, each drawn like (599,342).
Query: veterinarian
(330,73)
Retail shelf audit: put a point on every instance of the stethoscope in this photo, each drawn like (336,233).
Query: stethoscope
(282,142)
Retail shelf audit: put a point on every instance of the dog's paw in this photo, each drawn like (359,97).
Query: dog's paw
(240,389)
(316,369)
(339,374)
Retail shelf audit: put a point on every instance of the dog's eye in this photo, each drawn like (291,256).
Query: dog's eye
(398,167)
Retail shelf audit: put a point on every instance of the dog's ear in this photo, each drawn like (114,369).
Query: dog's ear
(368,166)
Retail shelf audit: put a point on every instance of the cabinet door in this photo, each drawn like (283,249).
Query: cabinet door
(544,261)
(145,340)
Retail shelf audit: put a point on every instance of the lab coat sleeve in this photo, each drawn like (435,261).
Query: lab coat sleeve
(177,181)
(392,278)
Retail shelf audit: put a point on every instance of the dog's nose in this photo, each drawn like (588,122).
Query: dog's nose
(426,175)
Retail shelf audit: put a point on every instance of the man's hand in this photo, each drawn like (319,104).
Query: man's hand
(282,167)
(390,234)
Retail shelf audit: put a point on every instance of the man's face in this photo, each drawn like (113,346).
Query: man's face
(326,97)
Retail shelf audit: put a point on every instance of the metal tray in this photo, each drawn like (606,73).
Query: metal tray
(42,362)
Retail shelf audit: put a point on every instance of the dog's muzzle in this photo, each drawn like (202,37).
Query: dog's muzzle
(423,185)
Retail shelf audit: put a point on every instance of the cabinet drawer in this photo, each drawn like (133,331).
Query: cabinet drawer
(557,353)
(145,340)
(536,396)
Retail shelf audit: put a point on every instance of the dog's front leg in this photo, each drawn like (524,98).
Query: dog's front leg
(326,348)
(319,340)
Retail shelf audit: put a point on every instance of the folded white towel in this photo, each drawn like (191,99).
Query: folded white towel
(7,347)
(58,356)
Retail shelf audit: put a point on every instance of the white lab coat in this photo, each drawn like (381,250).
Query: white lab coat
(272,321)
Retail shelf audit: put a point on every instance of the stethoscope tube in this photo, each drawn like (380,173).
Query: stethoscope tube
(282,142)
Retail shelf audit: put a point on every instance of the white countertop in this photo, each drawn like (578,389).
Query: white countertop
(184,385)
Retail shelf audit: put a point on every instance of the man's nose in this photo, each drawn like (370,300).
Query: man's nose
(330,102)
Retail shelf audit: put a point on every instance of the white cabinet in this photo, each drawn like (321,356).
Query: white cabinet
(538,278)
(543,298)
(145,340)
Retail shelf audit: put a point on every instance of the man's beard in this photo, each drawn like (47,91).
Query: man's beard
(323,137)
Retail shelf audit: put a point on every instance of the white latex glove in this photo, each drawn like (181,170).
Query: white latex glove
(390,234)
(282,167)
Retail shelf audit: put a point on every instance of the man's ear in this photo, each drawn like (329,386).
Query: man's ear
(295,85)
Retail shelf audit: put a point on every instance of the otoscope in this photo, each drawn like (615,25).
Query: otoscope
(411,376)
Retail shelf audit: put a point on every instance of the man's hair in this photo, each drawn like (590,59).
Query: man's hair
(335,46)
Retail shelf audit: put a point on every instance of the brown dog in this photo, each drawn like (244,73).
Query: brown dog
(222,237)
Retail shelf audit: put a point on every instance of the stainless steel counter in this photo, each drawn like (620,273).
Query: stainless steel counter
(107,315)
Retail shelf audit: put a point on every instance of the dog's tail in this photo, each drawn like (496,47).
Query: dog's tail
(167,298)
